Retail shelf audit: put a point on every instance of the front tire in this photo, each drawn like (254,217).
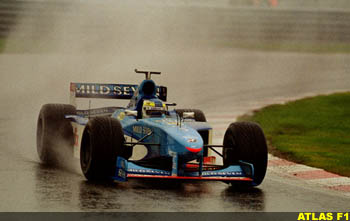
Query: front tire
(245,141)
(54,135)
(102,143)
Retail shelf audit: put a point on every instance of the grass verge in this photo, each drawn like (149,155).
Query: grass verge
(313,131)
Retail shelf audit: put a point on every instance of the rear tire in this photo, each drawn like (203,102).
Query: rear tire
(54,135)
(245,141)
(103,141)
(198,114)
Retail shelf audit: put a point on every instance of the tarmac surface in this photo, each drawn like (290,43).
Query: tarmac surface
(223,82)
(218,89)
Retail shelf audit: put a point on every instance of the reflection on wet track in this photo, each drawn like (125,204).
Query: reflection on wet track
(55,188)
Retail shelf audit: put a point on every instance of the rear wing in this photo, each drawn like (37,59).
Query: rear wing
(109,91)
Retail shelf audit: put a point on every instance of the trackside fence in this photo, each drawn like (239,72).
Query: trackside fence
(234,22)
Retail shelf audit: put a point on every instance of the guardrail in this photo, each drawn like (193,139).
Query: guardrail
(229,23)
(8,13)
(12,10)
(281,25)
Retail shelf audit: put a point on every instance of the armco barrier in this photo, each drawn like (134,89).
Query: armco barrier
(8,12)
(226,23)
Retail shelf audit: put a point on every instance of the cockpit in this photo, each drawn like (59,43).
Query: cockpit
(153,108)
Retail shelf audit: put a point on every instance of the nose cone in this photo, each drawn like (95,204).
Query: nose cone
(182,140)
(193,144)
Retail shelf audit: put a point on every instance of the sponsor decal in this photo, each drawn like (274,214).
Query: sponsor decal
(221,173)
(174,163)
(141,130)
(191,140)
(105,89)
(121,170)
(148,103)
(120,91)
(121,116)
(149,171)
(121,173)
(98,111)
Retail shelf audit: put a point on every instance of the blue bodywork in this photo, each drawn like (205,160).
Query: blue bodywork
(171,141)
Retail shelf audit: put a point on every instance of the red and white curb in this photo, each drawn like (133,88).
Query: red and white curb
(284,168)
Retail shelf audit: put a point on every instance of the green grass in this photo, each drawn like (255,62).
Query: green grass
(290,46)
(313,131)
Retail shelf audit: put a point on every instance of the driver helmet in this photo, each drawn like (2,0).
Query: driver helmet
(153,108)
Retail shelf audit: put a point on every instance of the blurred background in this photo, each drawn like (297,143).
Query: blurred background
(51,25)
(58,41)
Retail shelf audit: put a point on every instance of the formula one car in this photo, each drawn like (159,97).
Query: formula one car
(178,141)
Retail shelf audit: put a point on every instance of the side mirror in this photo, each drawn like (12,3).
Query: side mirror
(188,115)
(169,105)
(132,113)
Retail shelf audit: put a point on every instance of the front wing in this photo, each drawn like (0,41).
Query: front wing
(129,170)
(217,178)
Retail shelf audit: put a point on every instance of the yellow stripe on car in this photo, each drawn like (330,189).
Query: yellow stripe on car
(149,103)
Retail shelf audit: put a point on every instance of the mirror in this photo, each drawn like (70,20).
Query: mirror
(188,115)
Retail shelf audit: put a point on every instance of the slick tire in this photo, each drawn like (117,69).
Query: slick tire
(245,141)
(102,142)
(198,114)
(54,136)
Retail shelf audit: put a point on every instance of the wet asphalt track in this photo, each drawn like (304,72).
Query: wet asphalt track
(27,185)
(217,81)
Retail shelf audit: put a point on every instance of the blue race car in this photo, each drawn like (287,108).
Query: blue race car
(178,141)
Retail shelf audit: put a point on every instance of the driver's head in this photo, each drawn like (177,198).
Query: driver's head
(153,108)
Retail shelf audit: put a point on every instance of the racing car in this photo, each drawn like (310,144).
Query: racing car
(178,141)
